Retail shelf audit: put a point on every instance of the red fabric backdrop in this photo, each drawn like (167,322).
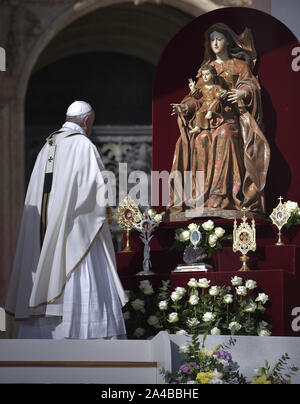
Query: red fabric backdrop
(280,92)
(276,269)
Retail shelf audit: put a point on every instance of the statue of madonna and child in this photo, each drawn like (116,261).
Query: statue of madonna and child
(220,124)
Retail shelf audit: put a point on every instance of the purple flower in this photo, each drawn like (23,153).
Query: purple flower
(194,365)
(186,368)
(226,356)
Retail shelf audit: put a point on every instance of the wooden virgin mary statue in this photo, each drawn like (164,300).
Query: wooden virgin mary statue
(231,150)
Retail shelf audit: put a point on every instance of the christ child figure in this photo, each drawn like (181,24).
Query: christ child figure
(210,111)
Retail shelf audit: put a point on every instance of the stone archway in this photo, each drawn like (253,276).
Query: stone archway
(81,8)
(29,29)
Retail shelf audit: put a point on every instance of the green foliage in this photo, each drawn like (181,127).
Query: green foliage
(216,366)
(225,310)
(212,239)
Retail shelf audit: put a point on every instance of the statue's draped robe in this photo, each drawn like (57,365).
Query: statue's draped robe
(73,262)
(234,155)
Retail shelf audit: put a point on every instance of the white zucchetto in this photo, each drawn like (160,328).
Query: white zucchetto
(78,108)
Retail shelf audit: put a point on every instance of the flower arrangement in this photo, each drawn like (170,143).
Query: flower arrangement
(206,308)
(203,308)
(202,366)
(141,312)
(216,366)
(211,241)
(294,212)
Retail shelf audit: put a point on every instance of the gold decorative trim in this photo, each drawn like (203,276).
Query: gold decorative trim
(69,274)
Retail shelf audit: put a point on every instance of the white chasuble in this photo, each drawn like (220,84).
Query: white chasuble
(73,236)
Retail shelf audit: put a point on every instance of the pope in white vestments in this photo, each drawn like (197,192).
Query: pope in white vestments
(64,282)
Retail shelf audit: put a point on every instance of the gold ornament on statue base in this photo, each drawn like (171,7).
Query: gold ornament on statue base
(244,239)
(279,217)
(128,213)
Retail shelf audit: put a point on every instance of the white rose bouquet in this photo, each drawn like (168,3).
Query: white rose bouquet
(294,212)
(204,308)
(143,310)
(238,309)
(212,238)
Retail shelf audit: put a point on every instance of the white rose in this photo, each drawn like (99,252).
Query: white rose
(126,315)
(139,332)
(192,227)
(219,232)
(173,317)
(208,316)
(241,290)
(212,240)
(217,375)
(264,333)
(185,348)
(194,300)
(250,308)
(291,207)
(215,380)
(157,218)
(153,320)
(181,332)
(235,324)
(208,226)
(138,304)
(163,305)
(214,291)
(175,296)
(250,284)
(262,297)
(192,322)
(146,287)
(215,331)
(180,290)
(148,291)
(145,284)
(236,281)
(184,235)
(151,213)
(204,283)
(192,283)
(228,298)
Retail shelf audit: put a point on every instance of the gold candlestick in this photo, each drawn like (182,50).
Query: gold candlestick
(244,239)
(279,217)
(127,214)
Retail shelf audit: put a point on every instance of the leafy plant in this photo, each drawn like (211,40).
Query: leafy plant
(231,310)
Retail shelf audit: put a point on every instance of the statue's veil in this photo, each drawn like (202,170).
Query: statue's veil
(240,46)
